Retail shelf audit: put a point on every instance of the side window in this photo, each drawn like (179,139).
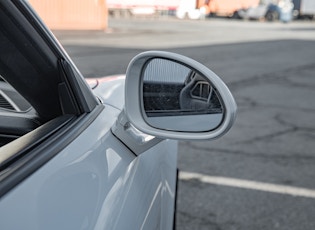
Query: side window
(10,99)
(17,117)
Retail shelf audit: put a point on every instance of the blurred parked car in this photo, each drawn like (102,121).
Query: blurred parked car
(270,10)
(97,155)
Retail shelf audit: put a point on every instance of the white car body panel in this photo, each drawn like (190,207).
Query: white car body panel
(110,90)
(101,166)
(98,185)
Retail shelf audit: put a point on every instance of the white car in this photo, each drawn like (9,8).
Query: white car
(101,155)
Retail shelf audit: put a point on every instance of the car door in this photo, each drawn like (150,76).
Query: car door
(76,159)
(67,170)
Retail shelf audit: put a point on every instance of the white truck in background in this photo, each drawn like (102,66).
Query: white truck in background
(304,9)
(127,8)
(197,9)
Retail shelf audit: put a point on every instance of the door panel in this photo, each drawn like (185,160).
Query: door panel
(96,183)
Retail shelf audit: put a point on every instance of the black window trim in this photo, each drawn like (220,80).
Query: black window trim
(87,100)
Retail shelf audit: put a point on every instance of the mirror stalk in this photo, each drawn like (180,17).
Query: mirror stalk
(137,141)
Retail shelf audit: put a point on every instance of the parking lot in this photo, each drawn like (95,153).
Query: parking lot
(261,174)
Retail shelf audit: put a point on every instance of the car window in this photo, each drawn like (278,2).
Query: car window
(17,117)
(43,98)
(11,100)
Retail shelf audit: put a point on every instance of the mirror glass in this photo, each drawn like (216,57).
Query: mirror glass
(178,98)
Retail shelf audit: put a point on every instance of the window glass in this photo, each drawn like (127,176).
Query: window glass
(10,99)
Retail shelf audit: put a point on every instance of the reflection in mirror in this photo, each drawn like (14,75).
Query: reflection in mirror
(178,98)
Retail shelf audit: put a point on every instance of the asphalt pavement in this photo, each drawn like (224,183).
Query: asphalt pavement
(261,174)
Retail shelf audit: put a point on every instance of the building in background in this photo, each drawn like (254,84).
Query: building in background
(72,14)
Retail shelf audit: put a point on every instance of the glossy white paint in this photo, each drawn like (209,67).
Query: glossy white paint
(111,90)
(97,183)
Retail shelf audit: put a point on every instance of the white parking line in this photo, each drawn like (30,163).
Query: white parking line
(247,184)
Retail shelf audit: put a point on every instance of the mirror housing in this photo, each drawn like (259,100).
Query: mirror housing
(189,101)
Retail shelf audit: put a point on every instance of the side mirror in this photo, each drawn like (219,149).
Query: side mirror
(171,96)
(178,98)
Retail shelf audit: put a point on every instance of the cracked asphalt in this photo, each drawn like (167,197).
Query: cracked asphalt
(270,69)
